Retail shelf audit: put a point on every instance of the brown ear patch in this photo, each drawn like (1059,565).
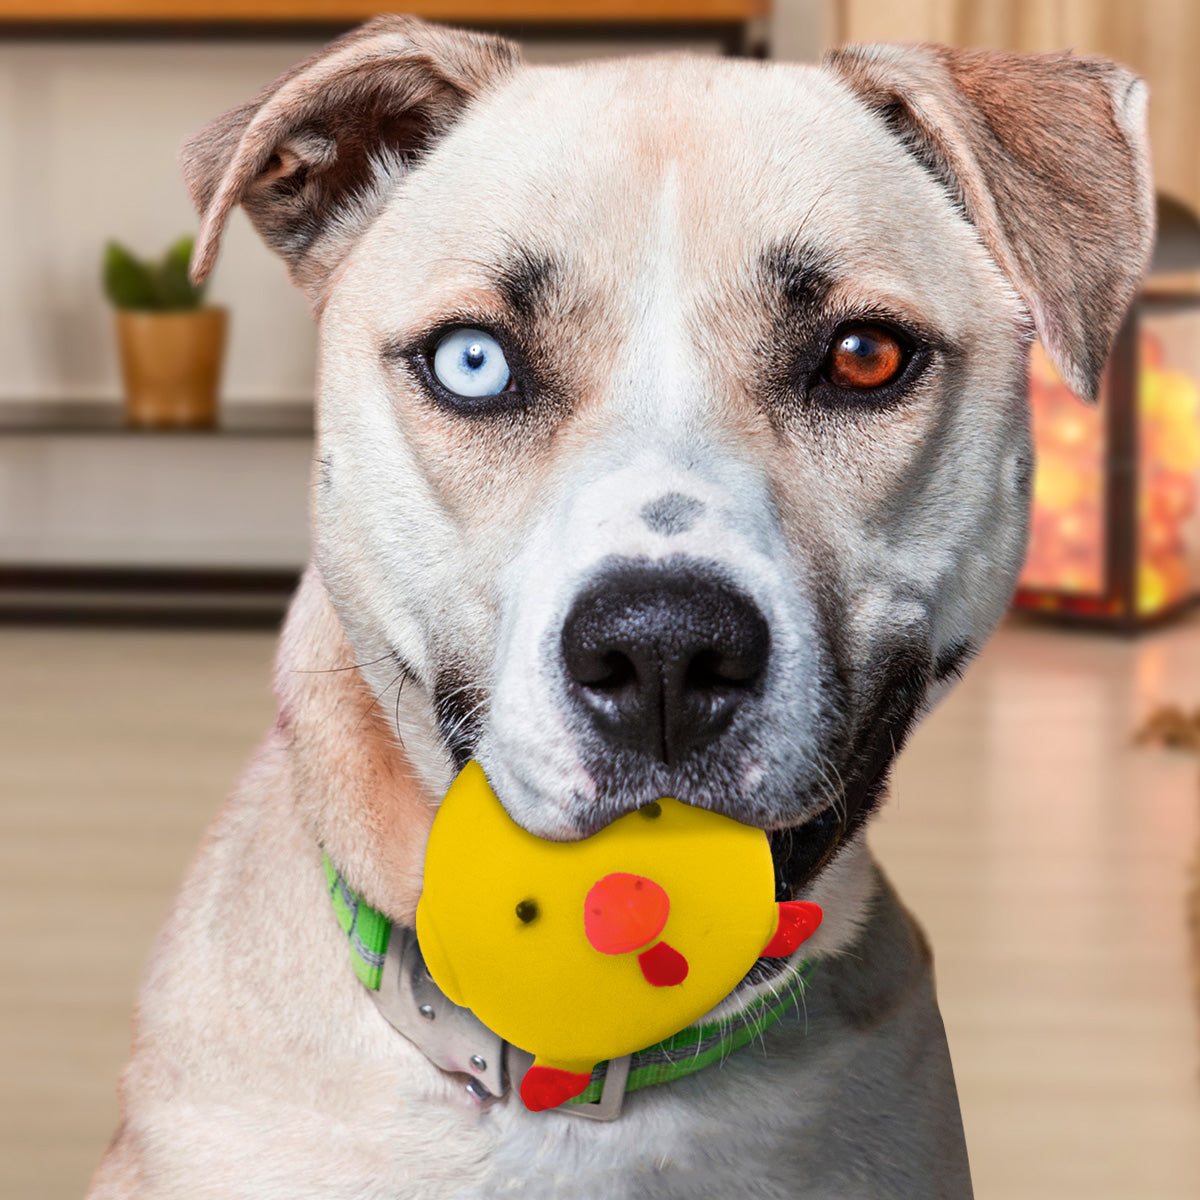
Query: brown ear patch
(317,149)
(1046,155)
(334,162)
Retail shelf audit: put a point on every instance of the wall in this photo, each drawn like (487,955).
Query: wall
(88,136)
(801,29)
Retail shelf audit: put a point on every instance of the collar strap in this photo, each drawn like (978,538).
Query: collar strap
(698,1046)
(368,930)
(454,1039)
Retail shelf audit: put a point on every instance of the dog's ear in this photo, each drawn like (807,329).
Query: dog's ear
(1046,154)
(312,157)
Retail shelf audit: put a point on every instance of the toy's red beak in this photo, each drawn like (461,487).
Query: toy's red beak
(623,912)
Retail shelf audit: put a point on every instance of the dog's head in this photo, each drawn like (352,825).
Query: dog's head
(672,426)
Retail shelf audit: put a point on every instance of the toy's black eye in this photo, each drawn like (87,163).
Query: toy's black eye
(653,809)
(862,357)
(527,911)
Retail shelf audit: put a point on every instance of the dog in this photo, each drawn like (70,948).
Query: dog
(672,440)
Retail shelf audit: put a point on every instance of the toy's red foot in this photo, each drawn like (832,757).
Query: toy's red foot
(548,1087)
(663,965)
(798,921)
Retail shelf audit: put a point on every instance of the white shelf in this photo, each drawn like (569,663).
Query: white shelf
(79,490)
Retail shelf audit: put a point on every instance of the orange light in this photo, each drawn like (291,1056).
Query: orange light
(1067,540)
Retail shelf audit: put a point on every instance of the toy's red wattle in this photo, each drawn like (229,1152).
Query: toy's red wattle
(548,1087)
(623,912)
(798,921)
(663,965)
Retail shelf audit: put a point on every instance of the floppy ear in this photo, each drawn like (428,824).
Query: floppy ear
(314,155)
(1046,154)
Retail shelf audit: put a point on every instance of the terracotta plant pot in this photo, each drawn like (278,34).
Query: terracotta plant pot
(171,362)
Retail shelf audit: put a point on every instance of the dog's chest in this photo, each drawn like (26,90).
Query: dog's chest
(738,1130)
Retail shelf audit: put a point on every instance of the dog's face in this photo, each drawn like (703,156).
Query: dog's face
(672,556)
(672,428)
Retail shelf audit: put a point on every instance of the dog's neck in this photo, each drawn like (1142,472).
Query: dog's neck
(353,785)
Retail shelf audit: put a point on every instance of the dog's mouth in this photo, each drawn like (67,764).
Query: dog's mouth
(800,851)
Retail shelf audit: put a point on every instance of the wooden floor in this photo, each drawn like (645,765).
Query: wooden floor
(1045,855)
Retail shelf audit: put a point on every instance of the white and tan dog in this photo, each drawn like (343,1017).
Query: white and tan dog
(672,440)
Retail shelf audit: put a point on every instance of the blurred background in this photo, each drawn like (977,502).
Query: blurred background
(153,521)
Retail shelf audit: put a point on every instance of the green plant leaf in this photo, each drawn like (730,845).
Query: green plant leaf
(175,288)
(131,282)
(128,282)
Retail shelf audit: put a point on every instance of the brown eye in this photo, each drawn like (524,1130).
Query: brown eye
(864,357)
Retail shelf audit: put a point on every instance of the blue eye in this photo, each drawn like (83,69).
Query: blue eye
(470,363)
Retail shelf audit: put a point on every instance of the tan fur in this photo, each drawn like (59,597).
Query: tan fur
(355,787)
(1031,142)
(670,243)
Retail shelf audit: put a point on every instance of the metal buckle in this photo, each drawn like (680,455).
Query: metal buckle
(451,1037)
(612,1092)
(455,1039)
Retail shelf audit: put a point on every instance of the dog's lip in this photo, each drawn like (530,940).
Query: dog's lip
(761,971)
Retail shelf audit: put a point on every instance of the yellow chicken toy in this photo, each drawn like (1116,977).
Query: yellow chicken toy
(583,951)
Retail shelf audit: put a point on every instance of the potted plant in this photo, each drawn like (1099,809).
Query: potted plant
(171,344)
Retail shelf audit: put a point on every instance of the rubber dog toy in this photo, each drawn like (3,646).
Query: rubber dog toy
(583,951)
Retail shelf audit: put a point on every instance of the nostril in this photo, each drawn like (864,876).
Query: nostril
(713,671)
(607,673)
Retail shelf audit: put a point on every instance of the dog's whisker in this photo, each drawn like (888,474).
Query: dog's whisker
(463,689)
(463,722)
(396,719)
(778,987)
(831,791)
(801,1002)
(836,793)
(336,670)
(376,701)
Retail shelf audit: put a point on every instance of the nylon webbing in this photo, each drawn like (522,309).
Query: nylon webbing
(367,929)
(697,1047)
(367,932)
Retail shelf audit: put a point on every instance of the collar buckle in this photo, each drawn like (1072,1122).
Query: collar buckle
(451,1037)
(455,1039)
(612,1091)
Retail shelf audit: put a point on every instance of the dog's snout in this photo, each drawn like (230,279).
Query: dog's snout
(661,658)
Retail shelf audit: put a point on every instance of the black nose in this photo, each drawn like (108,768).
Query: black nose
(662,656)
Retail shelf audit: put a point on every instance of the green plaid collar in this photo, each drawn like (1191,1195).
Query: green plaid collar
(368,933)
(367,929)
